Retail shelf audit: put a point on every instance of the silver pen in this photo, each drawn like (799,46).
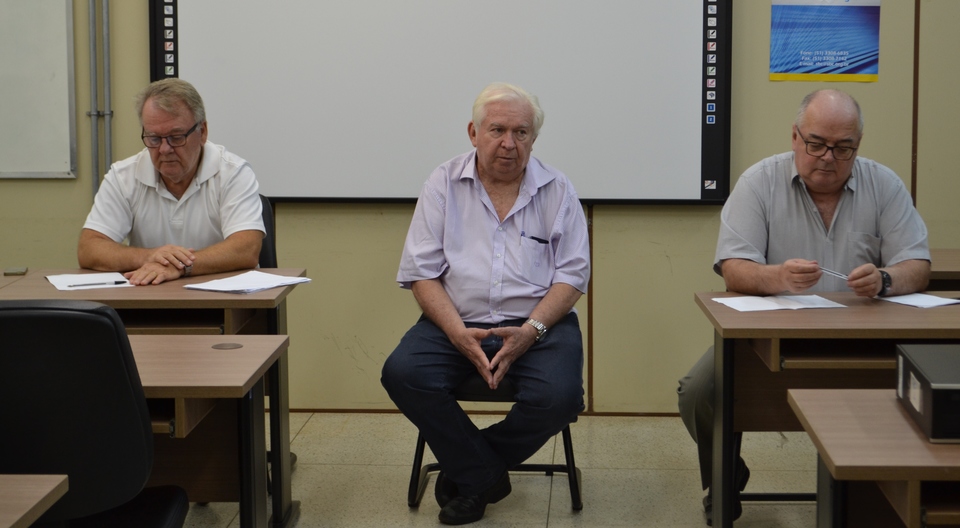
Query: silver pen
(834,273)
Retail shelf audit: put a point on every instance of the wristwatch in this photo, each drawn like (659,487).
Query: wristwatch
(541,328)
(187,270)
(885,283)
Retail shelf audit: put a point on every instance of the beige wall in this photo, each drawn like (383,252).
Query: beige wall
(648,260)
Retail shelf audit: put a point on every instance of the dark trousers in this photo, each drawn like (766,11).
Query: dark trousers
(425,368)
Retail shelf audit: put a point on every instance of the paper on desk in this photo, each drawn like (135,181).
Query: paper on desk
(88,281)
(249,282)
(920,300)
(777,302)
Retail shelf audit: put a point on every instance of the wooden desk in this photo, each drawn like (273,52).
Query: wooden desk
(772,351)
(6,280)
(866,435)
(169,308)
(24,498)
(187,368)
(944,270)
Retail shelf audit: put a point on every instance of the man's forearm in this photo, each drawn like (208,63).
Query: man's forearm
(437,306)
(751,278)
(240,250)
(909,276)
(556,304)
(100,253)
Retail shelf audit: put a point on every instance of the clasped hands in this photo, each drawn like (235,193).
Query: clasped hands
(516,341)
(798,275)
(166,263)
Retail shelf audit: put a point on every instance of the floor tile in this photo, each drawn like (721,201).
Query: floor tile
(353,471)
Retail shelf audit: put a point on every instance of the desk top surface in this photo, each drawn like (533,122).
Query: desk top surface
(189,366)
(24,498)
(34,285)
(868,435)
(6,280)
(863,318)
(945,264)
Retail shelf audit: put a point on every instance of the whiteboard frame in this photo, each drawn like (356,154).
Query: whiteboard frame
(712,142)
(71,110)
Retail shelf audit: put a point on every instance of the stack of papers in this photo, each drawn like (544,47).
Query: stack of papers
(88,281)
(920,300)
(249,282)
(797,302)
(777,302)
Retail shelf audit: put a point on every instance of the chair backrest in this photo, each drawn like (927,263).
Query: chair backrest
(72,403)
(268,249)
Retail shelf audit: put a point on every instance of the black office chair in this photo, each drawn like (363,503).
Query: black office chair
(268,259)
(268,248)
(476,389)
(73,404)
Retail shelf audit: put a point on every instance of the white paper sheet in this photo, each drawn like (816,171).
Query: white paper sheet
(777,302)
(920,300)
(88,281)
(249,282)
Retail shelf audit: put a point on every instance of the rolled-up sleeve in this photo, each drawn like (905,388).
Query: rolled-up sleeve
(572,255)
(423,257)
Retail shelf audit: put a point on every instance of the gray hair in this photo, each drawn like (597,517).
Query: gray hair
(167,93)
(506,92)
(802,111)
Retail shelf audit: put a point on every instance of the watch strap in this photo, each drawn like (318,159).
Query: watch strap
(885,282)
(541,328)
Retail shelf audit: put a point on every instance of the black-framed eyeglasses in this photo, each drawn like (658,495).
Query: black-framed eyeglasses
(817,149)
(178,140)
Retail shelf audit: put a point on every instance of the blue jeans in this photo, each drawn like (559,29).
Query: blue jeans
(425,368)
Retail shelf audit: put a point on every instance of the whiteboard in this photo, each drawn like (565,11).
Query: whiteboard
(364,98)
(38,136)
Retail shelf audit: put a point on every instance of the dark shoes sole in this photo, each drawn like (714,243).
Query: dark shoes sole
(743,475)
(467,509)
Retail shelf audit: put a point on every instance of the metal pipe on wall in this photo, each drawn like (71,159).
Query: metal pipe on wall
(107,108)
(94,112)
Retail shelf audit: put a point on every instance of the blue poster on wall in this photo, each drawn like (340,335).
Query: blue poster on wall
(825,40)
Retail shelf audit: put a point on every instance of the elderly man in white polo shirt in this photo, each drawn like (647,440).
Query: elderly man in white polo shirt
(188,206)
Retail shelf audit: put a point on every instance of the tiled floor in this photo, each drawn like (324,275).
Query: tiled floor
(353,471)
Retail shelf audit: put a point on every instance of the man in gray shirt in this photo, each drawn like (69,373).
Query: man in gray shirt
(793,213)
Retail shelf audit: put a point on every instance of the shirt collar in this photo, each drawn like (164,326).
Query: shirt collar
(147,174)
(535,177)
(850,184)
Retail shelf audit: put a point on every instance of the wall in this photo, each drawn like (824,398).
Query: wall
(648,260)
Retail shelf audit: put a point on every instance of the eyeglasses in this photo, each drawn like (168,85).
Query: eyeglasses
(817,149)
(178,140)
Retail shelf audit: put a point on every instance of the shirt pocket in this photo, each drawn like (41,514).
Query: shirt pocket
(536,261)
(864,248)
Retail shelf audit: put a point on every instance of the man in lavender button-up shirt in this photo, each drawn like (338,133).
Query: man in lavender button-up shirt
(496,256)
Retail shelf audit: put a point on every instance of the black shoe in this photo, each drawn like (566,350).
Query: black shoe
(445,489)
(468,509)
(743,475)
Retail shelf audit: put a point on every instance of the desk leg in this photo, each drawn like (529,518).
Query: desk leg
(724,455)
(253,459)
(831,498)
(284,510)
